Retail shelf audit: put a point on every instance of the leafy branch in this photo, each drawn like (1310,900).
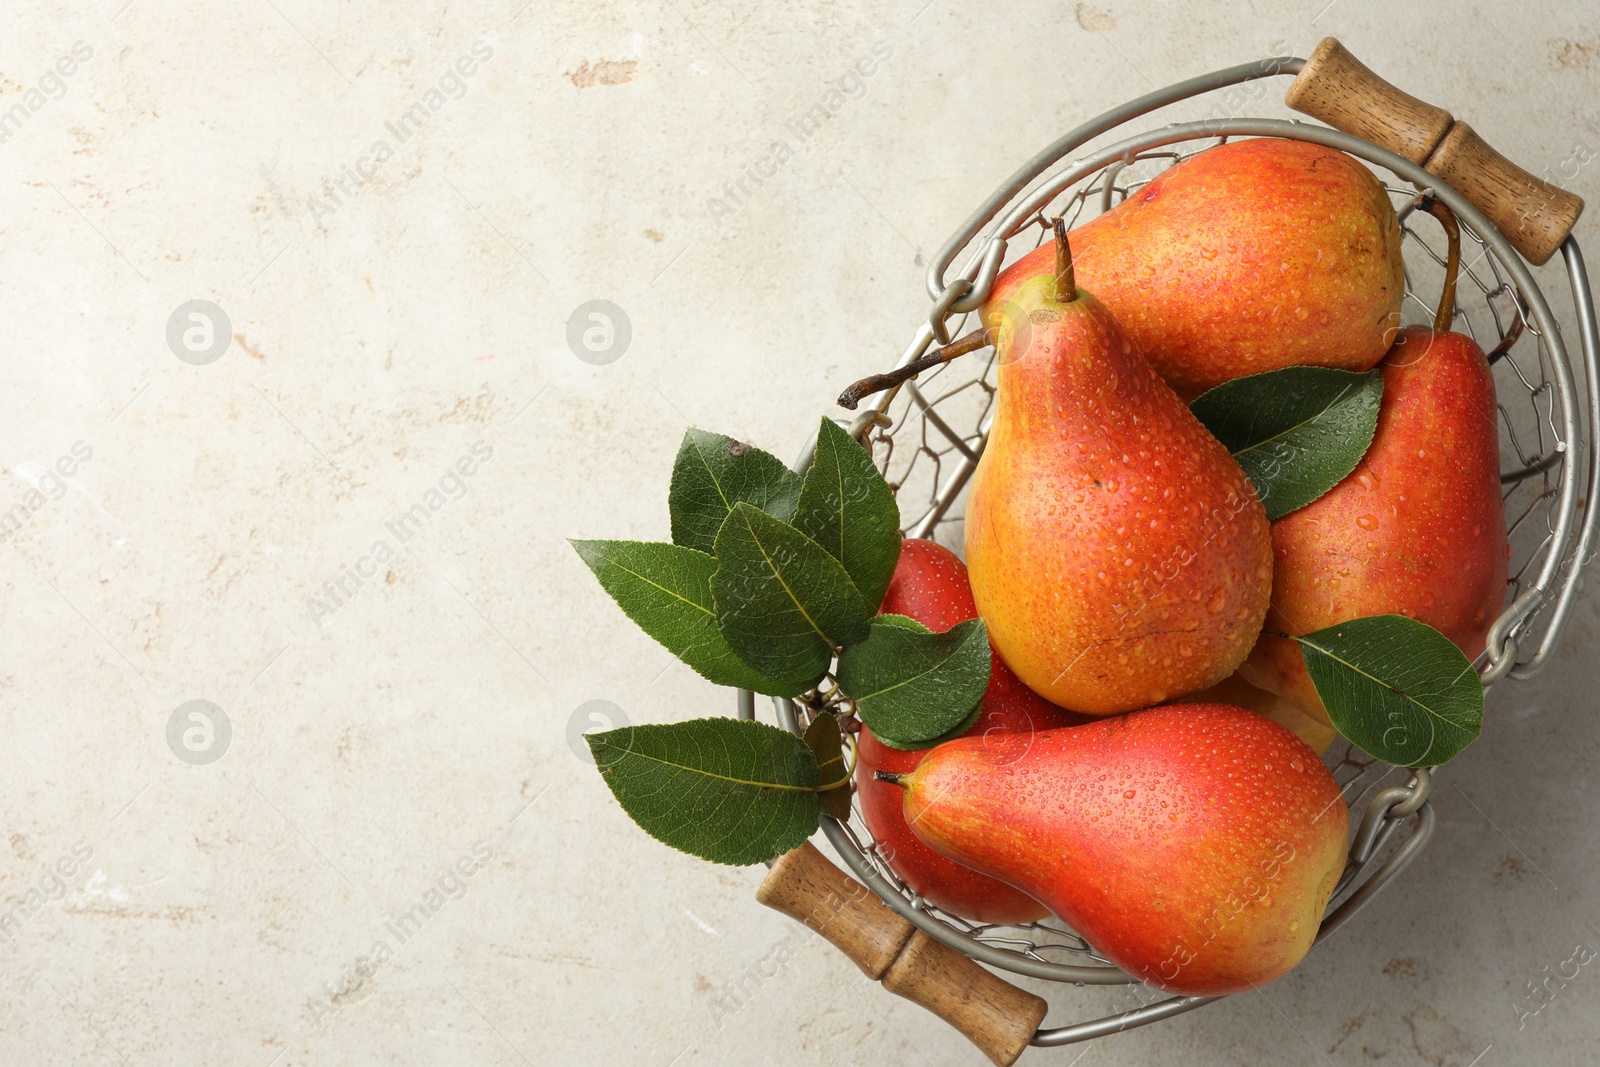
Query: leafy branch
(771,578)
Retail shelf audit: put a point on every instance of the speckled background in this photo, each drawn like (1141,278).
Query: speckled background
(398,722)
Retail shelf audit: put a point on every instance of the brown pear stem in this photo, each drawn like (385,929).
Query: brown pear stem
(1066,281)
(877,383)
(1513,332)
(888,776)
(1452,262)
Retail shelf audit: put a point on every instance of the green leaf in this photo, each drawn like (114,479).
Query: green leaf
(726,790)
(783,604)
(848,509)
(1297,432)
(907,623)
(904,622)
(666,590)
(910,685)
(1396,687)
(827,746)
(958,730)
(712,474)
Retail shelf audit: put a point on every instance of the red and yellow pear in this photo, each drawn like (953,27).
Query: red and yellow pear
(1195,846)
(1116,551)
(1244,258)
(1308,726)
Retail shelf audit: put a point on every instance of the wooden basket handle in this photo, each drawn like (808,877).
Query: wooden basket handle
(1337,88)
(994,1014)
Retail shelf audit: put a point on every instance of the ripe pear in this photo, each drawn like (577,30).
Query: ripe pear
(1116,551)
(930,585)
(1247,257)
(1313,729)
(1417,529)
(1195,846)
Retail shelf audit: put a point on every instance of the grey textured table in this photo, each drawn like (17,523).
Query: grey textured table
(338,516)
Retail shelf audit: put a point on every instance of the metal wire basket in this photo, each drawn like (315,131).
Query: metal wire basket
(927,436)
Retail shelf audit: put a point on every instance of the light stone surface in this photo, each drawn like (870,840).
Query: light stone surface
(380,332)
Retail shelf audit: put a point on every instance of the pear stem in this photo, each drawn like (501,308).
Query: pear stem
(1452,264)
(877,383)
(1513,332)
(1066,281)
(888,776)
